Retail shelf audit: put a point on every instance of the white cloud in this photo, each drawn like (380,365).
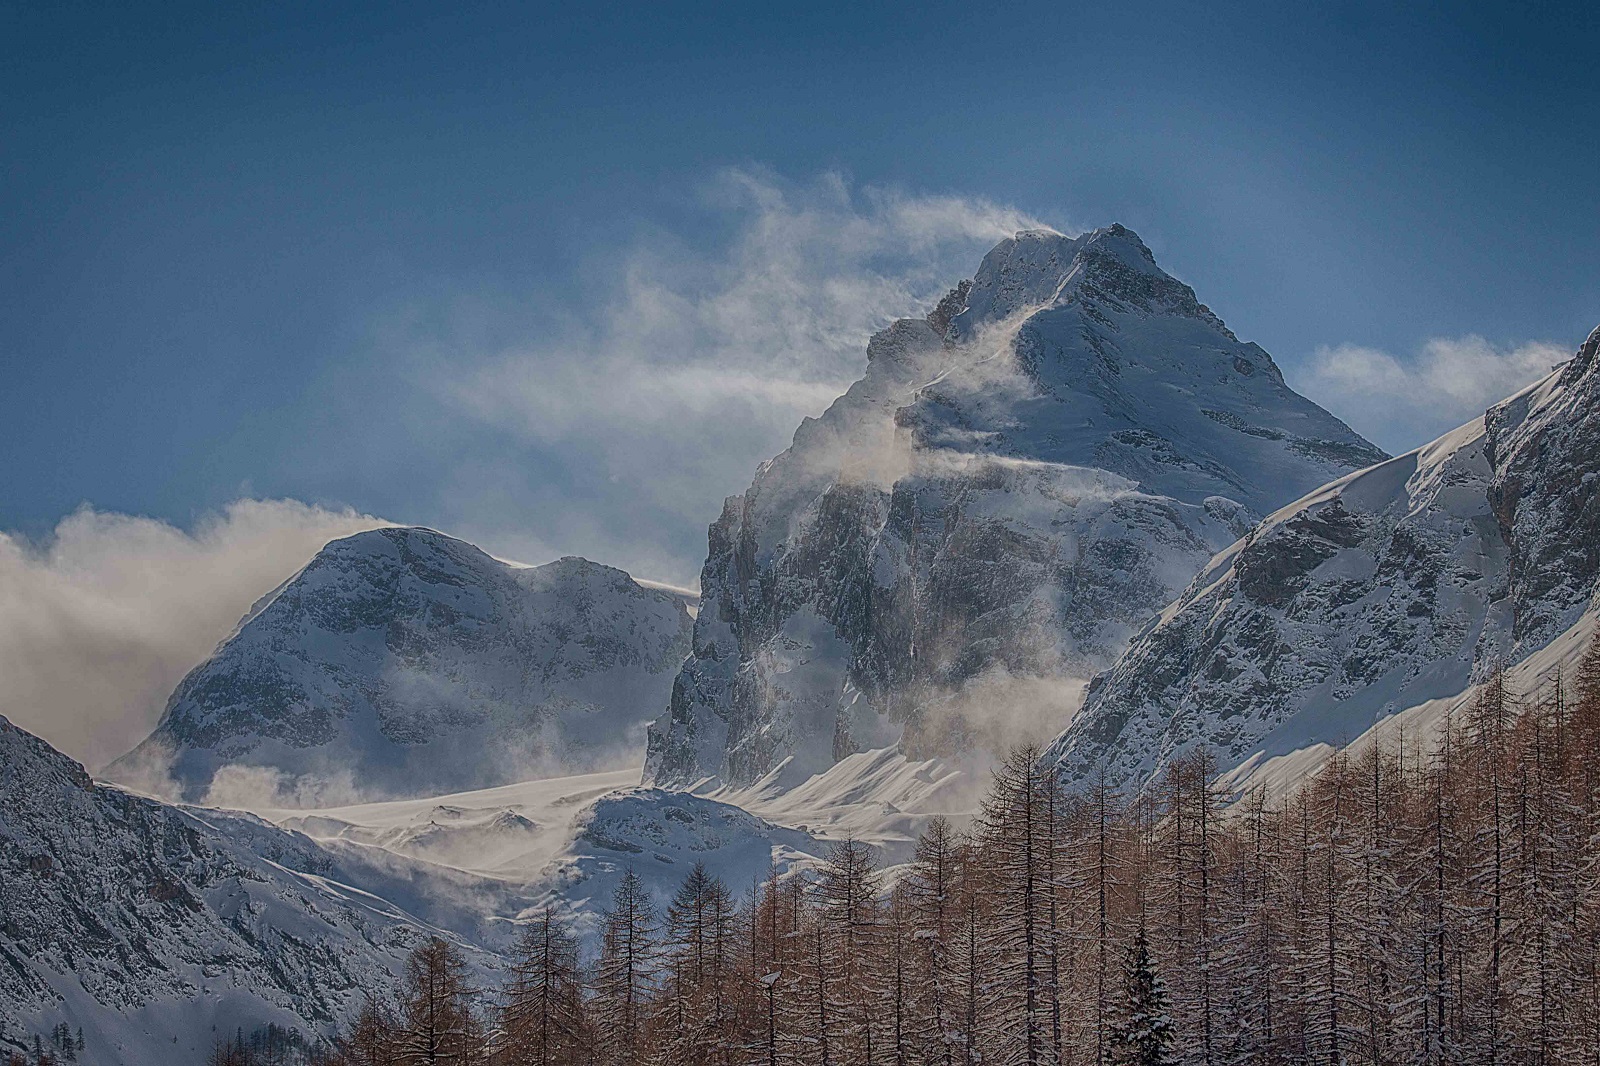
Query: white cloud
(660,397)
(1403,403)
(100,621)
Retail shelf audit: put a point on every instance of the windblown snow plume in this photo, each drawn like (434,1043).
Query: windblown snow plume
(695,365)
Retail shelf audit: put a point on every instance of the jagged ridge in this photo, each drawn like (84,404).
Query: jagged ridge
(147,924)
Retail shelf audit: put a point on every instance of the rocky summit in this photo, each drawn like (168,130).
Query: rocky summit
(1015,486)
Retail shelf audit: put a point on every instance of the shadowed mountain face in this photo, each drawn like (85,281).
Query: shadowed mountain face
(1395,586)
(987,517)
(406,662)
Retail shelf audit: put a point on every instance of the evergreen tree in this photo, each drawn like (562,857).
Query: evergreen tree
(1143,1033)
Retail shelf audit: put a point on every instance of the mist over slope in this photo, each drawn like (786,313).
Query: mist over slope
(1012,489)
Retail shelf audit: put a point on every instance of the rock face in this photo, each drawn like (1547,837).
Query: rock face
(1016,484)
(147,925)
(406,662)
(1383,590)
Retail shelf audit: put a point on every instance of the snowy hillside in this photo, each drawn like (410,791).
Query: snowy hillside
(407,662)
(1388,592)
(986,518)
(155,927)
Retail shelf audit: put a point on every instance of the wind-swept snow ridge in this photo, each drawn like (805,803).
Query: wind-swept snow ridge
(407,662)
(1010,491)
(1389,590)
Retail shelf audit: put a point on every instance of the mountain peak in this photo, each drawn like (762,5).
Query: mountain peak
(22,753)
(1037,269)
(1121,242)
(385,540)
(1585,360)
(415,660)
(1025,270)
(1074,411)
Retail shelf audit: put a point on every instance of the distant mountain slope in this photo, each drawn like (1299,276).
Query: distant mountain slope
(1380,592)
(1012,489)
(409,662)
(147,924)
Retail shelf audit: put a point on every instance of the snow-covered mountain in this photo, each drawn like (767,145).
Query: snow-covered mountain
(1387,590)
(405,662)
(149,925)
(986,518)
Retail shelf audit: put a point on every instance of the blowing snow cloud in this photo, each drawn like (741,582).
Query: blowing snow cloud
(660,397)
(100,621)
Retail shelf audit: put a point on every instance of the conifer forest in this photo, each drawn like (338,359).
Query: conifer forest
(1434,902)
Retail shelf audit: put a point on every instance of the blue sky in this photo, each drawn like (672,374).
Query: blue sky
(558,281)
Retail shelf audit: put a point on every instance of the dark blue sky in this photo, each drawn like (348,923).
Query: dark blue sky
(241,246)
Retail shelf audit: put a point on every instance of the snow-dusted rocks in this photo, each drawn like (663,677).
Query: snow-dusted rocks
(403,662)
(1012,489)
(1384,591)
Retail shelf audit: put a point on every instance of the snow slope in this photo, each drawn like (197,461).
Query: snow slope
(879,797)
(1419,725)
(1014,486)
(1386,593)
(566,841)
(155,927)
(409,662)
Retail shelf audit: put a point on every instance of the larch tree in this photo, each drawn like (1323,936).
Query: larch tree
(542,1017)
(436,1023)
(625,975)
